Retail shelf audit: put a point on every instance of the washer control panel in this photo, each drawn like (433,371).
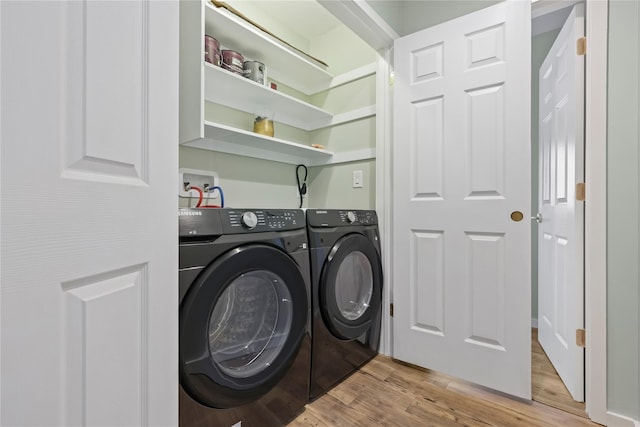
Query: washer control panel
(260,220)
(338,218)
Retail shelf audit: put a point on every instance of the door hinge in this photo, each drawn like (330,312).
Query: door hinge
(391,309)
(581,338)
(580,191)
(392,78)
(581,46)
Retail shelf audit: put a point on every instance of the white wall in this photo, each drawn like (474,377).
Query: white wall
(324,179)
(246,182)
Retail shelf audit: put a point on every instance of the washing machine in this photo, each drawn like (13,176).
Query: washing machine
(245,344)
(346,293)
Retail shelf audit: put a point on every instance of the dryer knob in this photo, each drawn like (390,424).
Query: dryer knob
(351,217)
(249,220)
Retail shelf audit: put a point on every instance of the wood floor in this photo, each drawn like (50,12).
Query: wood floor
(546,385)
(387,393)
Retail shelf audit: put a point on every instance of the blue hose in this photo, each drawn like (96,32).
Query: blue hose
(214,188)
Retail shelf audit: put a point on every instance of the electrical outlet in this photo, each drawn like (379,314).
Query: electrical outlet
(199,178)
(357,179)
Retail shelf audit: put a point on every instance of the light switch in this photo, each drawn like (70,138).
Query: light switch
(357,179)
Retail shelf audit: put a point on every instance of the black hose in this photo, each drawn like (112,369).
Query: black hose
(302,189)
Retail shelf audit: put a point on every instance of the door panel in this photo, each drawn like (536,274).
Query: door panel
(89,230)
(560,234)
(461,167)
(428,299)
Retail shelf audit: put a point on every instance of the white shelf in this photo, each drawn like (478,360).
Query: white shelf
(230,89)
(201,81)
(283,63)
(347,157)
(226,139)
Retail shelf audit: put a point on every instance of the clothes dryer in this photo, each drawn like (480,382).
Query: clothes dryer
(244,316)
(346,293)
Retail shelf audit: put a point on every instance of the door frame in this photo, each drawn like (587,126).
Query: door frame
(595,238)
(595,208)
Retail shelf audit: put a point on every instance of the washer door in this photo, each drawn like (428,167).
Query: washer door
(351,286)
(241,325)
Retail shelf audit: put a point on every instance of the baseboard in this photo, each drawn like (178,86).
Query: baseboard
(534,323)
(616,420)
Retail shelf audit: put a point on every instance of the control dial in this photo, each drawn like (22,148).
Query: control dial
(351,217)
(249,220)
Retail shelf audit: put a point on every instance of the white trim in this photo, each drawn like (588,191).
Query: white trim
(539,9)
(353,75)
(384,196)
(596,211)
(616,420)
(349,116)
(363,21)
(534,323)
(3,142)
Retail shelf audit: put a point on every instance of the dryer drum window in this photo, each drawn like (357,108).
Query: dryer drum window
(350,288)
(250,323)
(354,285)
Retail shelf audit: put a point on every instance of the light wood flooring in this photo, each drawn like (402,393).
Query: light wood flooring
(546,385)
(388,393)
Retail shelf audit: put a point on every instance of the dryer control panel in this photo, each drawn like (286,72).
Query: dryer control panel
(339,217)
(260,220)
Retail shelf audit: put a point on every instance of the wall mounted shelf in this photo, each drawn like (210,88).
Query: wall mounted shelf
(284,64)
(233,90)
(201,81)
(230,140)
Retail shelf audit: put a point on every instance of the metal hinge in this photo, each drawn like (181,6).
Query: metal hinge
(581,338)
(392,78)
(391,309)
(580,191)
(581,46)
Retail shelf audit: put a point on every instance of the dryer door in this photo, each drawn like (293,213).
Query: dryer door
(351,286)
(241,325)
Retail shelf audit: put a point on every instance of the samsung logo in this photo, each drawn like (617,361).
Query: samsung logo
(321,212)
(189,213)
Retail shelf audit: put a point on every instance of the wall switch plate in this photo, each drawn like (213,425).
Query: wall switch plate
(199,178)
(357,179)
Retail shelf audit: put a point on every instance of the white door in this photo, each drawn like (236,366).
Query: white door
(89,114)
(461,172)
(561,230)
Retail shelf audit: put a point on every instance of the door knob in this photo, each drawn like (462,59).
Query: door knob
(538,218)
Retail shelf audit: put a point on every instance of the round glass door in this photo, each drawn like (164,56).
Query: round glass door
(351,286)
(354,285)
(250,323)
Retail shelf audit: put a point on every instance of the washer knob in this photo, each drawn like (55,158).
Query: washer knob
(249,220)
(351,217)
